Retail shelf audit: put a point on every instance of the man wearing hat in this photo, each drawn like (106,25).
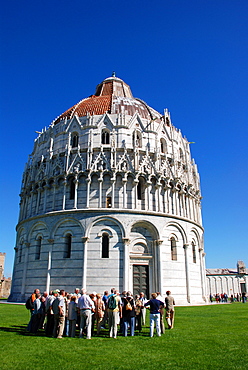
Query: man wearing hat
(58,307)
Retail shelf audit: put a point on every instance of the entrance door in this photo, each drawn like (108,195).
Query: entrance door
(141,280)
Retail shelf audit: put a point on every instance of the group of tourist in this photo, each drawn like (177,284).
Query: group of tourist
(60,313)
(223,297)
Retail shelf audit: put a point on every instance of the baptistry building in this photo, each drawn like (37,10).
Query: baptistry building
(111,197)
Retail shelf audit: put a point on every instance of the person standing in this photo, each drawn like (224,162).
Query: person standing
(72,316)
(143,309)
(128,314)
(31,307)
(99,312)
(114,310)
(86,306)
(138,312)
(58,307)
(162,328)
(170,311)
(244,297)
(36,314)
(155,306)
(49,312)
(105,317)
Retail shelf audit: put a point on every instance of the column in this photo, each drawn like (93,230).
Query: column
(175,199)
(39,190)
(126,283)
(45,198)
(187,271)
(55,186)
(148,200)
(202,274)
(88,180)
(76,192)
(32,192)
(221,284)
(159,266)
(188,205)
(49,265)
(100,180)
(158,197)
(124,181)
(24,274)
(135,192)
(84,277)
(64,195)
(113,192)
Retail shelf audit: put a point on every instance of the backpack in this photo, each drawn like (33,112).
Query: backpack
(29,304)
(128,306)
(112,302)
(55,306)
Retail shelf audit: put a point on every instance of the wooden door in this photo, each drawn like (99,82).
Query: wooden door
(141,279)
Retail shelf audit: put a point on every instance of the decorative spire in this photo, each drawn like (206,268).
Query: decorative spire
(113,74)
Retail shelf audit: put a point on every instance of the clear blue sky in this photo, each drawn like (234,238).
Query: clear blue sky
(188,56)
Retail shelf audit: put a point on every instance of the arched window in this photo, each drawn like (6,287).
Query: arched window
(163,146)
(193,252)
(173,249)
(181,155)
(72,189)
(137,142)
(74,140)
(141,189)
(67,250)
(105,245)
(38,248)
(105,136)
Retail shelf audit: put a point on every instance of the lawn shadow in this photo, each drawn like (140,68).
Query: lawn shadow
(20,330)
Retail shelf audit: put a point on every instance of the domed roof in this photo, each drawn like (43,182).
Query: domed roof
(113,96)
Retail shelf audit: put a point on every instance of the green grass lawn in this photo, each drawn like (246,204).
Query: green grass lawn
(206,337)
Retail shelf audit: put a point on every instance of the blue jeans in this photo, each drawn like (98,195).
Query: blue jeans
(131,322)
(155,318)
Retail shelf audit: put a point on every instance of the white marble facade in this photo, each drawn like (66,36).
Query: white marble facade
(111,187)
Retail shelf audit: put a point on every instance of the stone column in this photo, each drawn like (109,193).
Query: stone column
(124,181)
(32,192)
(221,284)
(147,194)
(187,271)
(45,198)
(39,190)
(100,180)
(76,192)
(126,282)
(176,201)
(24,274)
(64,195)
(113,192)
(209,285)
(84,277)
(55,186)
(188,206)
(49,265)
(136,181)
(88,180)
(159,267)
(227,286)
(158,197)
(202,273)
